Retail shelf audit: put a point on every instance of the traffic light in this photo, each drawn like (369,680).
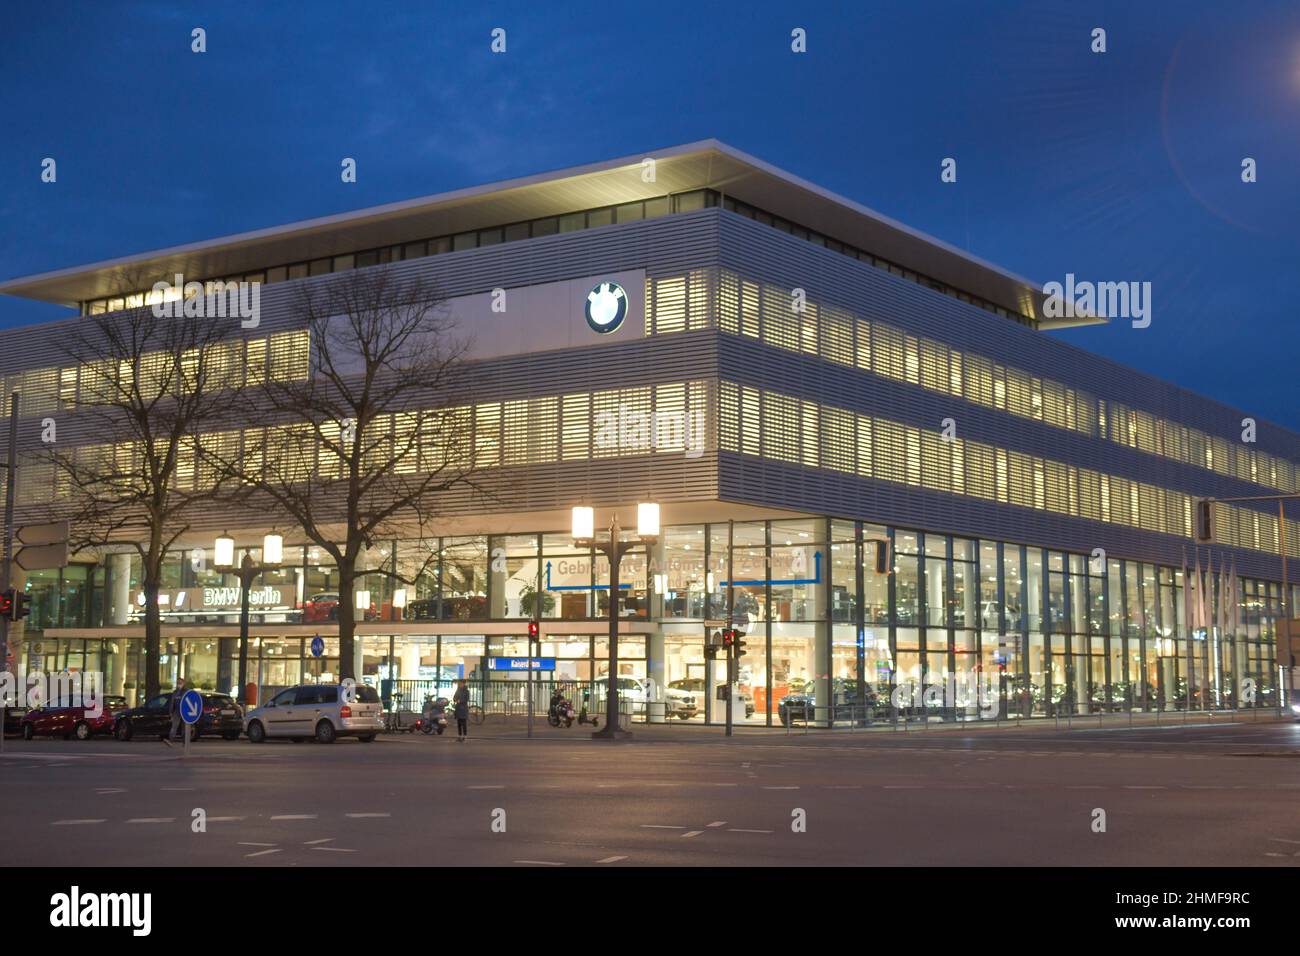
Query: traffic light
(728,637)
(22,605)
(737,644)
(1203,509)
(534,631)
(882,556)
(7,604)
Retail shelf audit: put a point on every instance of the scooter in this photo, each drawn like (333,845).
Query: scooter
(433,720)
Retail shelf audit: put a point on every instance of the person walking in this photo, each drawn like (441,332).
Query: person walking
(175,709)
(460,700)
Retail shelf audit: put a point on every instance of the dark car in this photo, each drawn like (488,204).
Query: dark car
(221,715)
(13,720)
(800,705)
(80,721)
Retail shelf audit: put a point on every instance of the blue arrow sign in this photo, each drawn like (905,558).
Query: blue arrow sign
(317,646)
(577,587)
(815,579)
(191,706)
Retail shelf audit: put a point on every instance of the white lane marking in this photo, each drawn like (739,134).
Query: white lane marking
(260,853)
(250,843)
(224,819)
(1282,840)
(1145,788)
(485,786)
(780,788)
(691,833)
(745,830)
(110,790)
(718,823)
(294,816)
(334,849)
(152,820)
(366,816)
(73,823)
(660,826)
(901,787)
(321,840)
(612,859)
(723,785)
(540,862)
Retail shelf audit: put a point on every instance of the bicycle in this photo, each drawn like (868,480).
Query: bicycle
(476,715)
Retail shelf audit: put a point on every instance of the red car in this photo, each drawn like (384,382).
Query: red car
(68,722)
(325,607)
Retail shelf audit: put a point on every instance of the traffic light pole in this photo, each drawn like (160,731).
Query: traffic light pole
(10,470)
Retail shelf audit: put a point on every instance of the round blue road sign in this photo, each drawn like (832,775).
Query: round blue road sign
(317,646)
(191,706)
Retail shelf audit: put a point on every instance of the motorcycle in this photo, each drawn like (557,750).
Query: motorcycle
(561,711)
(433,719)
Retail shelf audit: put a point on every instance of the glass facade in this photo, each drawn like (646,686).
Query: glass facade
(958,629)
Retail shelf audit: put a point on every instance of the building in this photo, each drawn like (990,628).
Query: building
(787,368)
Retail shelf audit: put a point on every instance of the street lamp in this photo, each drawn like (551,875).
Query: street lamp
(584,536)
(247,572)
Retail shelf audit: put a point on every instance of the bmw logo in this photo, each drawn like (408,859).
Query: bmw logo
(606,307)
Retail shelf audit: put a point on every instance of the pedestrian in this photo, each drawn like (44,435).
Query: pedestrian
(175,708)
(461,701)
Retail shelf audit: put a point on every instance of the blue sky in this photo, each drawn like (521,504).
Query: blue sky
(1120,166)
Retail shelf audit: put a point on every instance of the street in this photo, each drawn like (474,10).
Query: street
(1222,794)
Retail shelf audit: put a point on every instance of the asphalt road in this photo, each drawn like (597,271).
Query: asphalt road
(1223,794)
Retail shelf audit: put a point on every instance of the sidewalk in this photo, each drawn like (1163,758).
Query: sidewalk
(515,726)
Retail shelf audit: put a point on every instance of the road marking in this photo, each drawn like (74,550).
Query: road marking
(250,843)
(1145,788)
(224,819)
(612,859)
(260,853)
(718,823)
(366,816)
(1283,840)
(72,823)
(780,788)
(691,833)
(334,849)
(723,785)
(540,862)
(901,787)
(110,791)
(660,826)
(321,840)
(294,816)
(744,830)
(494,786)
(152,820)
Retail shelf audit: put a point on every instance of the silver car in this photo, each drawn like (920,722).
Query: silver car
(323,711)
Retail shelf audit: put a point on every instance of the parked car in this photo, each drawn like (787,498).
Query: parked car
(677,703)
(321,607)
(696,686)
(221,715)
(80,722)
(322,711)
(850,703)
(324,607)
(13,720)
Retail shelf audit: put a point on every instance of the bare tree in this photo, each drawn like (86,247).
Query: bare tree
(149,386)
(368,446)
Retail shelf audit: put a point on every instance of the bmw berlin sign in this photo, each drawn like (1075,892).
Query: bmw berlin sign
(606,307)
